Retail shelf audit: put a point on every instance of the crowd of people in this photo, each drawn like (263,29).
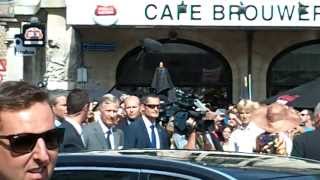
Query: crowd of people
(35,127)
(133,122)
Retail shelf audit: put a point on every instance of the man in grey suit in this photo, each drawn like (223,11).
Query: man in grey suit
(102,134)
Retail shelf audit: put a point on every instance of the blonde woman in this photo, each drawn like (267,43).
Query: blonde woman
(242,139)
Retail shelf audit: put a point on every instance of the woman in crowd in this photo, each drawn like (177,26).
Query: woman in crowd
(226,132)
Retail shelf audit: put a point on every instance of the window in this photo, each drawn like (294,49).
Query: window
(293,67)
(162,177)
(92,175)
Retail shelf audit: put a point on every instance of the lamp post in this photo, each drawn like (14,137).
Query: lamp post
(82,76)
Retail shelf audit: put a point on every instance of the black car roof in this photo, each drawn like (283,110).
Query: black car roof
(208,158)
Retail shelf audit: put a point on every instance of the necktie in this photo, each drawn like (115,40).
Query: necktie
(153,137)
(108,139)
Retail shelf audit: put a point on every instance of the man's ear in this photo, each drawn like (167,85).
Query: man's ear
(142,107)
(85,107)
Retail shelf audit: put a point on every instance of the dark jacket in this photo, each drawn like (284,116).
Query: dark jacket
(137,136)
(72,140)
(306,145)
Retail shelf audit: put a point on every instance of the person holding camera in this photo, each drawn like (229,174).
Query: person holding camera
(192,133)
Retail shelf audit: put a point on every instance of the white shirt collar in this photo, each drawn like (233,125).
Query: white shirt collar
(75,125)
(147,122)
(105,129)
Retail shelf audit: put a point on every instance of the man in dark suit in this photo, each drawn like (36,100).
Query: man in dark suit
(77,109)
(132,109)
(306,145)
(145,132)
(103,134)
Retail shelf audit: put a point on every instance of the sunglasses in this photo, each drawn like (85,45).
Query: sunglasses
(25,142)
(153,106)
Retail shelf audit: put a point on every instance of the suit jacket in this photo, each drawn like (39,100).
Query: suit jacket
(306,145)
(72,141)
(95,139)
(137,136)
(123,124)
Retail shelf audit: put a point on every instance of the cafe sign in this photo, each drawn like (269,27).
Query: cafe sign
(225,13)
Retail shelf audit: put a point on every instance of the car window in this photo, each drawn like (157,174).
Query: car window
(162,177)
(93,175)
(147,174)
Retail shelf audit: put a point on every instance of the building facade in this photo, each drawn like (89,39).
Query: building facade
(249,50)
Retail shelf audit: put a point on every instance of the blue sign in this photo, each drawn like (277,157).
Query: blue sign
(98,47)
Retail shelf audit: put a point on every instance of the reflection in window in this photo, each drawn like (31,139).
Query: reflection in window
(162,177)
(189,64)
(92,175)
(293,67)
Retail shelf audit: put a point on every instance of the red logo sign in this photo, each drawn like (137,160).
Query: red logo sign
(33,33)
(105,10)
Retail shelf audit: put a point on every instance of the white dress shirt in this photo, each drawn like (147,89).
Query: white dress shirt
(244,139)
(105,130)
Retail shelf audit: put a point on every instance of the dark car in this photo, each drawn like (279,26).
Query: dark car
(178,165)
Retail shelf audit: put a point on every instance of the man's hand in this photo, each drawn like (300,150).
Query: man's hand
(210,115)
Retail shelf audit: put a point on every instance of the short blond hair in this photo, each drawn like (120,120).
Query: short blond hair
(108,99)
(247,105)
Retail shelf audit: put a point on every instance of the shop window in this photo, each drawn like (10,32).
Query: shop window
(293,67)
(191,65)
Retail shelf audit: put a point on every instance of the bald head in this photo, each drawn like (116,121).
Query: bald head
(132,106)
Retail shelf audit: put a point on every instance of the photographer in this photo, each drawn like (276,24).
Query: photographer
(194,132)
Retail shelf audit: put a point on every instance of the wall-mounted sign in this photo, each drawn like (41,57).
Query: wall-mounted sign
(225,13)
(20,49)
(33,35)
